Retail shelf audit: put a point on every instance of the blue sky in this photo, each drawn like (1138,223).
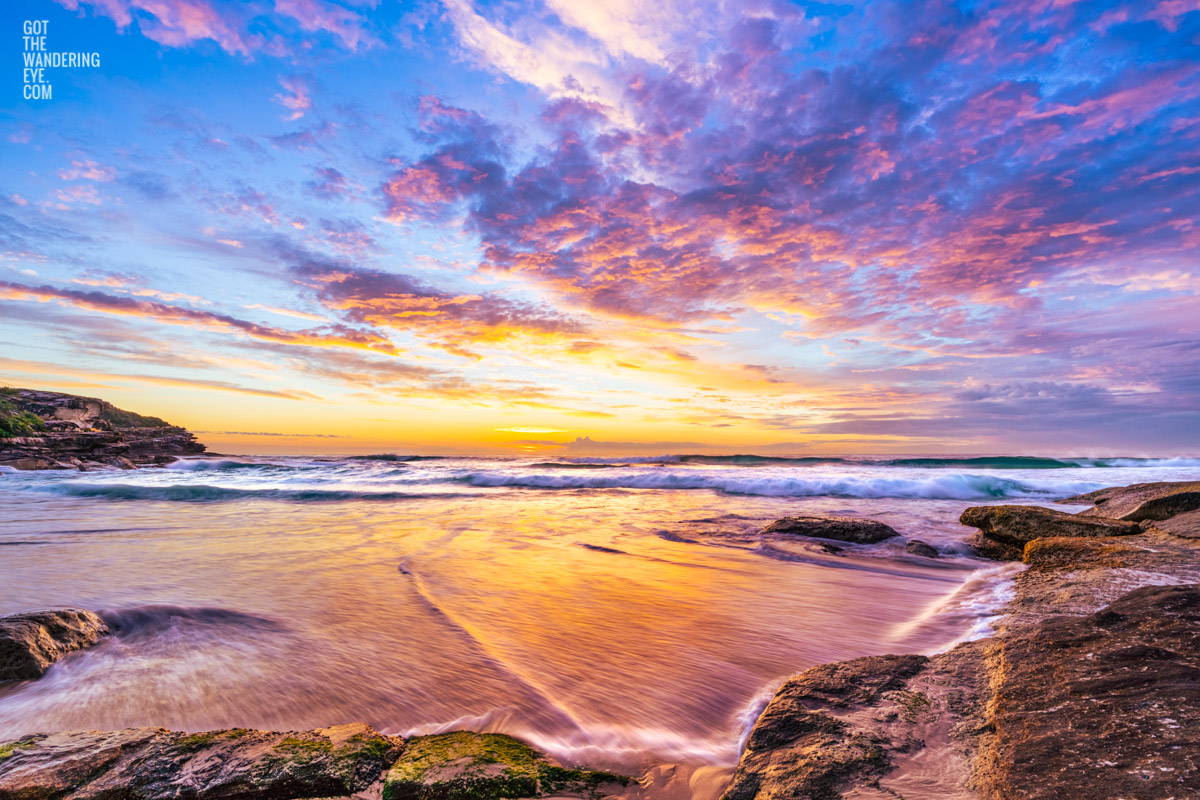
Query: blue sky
(445,226)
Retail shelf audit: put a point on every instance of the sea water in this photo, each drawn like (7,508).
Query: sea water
(602,609)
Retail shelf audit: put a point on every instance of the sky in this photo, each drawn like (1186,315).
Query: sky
(568,227)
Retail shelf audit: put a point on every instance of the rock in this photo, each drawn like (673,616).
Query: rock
(1064,552)
(479,766)
(157,764)
(842,529)
(79,431)
(1141,501)
(842,728)
(919,548)
(1005,530)
(30,643)
(1101,706)
(1185,526)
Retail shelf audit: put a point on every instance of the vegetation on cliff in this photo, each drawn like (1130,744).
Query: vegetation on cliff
(14,421)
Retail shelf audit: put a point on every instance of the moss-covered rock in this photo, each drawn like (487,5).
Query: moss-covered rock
(483,766)
(157,764)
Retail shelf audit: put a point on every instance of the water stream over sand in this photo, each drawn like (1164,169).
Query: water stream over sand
(592,621)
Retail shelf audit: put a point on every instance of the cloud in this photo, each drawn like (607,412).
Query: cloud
(106,378)
(233,26)
(296,96)
(332,336)
(269,433)
(319,15)
(449,320)
(87,170)
(586,444)
(328,184)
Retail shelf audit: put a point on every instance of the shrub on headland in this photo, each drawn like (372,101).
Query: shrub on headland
(14,422)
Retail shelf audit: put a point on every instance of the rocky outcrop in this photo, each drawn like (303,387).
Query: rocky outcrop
(157,764)
(1089,689)
(1101,706)
(85,432)
(886,725)
(468,766)
(842,529)
(1185,526)
(30,643)
(1141,501)
(241,764)
(1005,530)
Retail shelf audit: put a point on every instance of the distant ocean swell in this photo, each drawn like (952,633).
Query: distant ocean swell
(941,487)
(985,462)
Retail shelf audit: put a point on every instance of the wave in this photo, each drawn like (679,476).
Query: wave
(199,465)
(942,487)
(569,465)
(972,462)
(151,621)
(750,460)
(394,457)
(203,493)
(663,459)
(1179,461)
(985,462)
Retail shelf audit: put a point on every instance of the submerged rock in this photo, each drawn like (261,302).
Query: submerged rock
(1101,706)
(1005,530)
(842,529)
(481,766)
(919,548)
(157,764)
(1141,501)
(30,643)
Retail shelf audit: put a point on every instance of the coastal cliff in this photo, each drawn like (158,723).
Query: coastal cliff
(52,430)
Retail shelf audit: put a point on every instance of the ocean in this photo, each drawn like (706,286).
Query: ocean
(615,612)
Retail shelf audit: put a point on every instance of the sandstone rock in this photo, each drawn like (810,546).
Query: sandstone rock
(156,764)
(1064,552)
(1005,530)
(844,728)
(919,548)
(477,766)
(1102,706)
(1185,526)
(1141,501)
(842,529)
(87,430)
(30,643)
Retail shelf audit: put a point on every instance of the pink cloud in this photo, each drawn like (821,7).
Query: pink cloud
(296,96)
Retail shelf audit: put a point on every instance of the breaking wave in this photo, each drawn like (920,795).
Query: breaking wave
(193,493)
(150,621)
(973,462)
(942,487)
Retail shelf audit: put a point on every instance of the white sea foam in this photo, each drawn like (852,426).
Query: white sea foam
(775,484)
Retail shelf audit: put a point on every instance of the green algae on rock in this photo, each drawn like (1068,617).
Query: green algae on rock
(157,764)
(483,766)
